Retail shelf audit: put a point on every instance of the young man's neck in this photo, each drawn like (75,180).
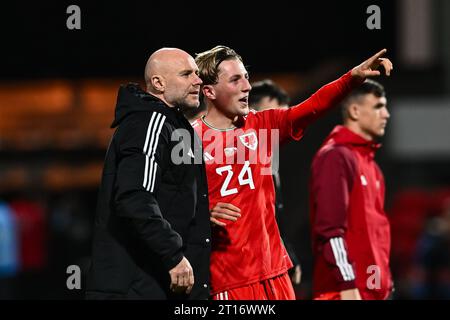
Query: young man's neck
(356,129)
(219,120)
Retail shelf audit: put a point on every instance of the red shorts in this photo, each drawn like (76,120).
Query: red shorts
(277,288)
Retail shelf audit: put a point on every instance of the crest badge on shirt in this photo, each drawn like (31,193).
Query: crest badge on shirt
(249,140)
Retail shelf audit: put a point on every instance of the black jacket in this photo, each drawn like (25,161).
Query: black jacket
(152,210)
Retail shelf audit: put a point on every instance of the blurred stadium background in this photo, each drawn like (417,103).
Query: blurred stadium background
(57,96)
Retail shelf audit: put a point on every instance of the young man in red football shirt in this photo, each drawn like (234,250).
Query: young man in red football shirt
(350,230)
(248,260)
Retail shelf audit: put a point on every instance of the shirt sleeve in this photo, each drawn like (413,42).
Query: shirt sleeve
(292,122)
(327,97)
(143,142)
(278,119)
(332,177)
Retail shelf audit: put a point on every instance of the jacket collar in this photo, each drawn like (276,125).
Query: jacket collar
(131,98)
(343,135)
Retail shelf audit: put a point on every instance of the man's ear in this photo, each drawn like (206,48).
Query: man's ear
(353,111)
(158,83)
(209,92)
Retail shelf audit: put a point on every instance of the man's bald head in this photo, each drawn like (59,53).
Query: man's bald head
(171,75)
(161,62)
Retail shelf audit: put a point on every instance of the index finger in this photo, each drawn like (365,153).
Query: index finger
(377,55)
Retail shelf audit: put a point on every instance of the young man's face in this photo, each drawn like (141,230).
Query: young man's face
(372,115)
(232,89)
(183,84)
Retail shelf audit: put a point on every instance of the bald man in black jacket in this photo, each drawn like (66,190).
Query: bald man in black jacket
(152,229)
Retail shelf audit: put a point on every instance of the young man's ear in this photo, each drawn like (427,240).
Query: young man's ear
(353,112)
(158,83)
(209,92)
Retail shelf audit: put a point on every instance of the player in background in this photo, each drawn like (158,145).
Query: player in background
(350,230)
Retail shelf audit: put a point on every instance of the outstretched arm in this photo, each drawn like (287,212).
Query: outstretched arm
(333,93)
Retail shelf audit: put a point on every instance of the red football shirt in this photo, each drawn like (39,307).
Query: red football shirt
(239,170)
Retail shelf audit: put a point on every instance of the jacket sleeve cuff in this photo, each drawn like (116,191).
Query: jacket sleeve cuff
(172,261)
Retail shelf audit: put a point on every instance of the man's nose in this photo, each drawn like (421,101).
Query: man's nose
(197,80)
(247,86)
